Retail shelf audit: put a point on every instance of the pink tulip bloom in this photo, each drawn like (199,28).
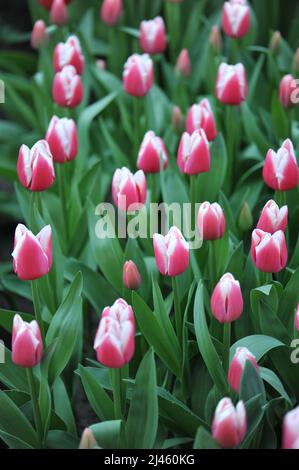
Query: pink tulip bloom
(35,166)
(68,53)
(27,345)
(62,139)
(39,35)
(211,221)
(288,91)
(152,154)
(290,430)
(67,87)
(138,75)
(237,366)
(153,36)
(272,218)
(200,116)
(229,424)
(280,170)
(58,13)
(236,19)
(269,252)
(111,11)
(231,84)
(131,275)
(183,64)
(194,153)
(171,252)
(227,299)
(128,189)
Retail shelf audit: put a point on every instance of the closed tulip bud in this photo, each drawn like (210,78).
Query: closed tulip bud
(128,190)
(237,365)
(32,254)
(48,3)
(227,300)
(288,91)
(58,13)
(215,39)
(269,252)
(210,221)
(177,119)
(131,276)
(68,53)
(27,345)
(88,440)
(67,87)
(290,430)
(272,218)
(280,171)
(200,116)
(297,318)
(152,154)
(229,423)
(114,342)
(183,65)
(245,219)
(231,84)
(275,43)
(62,139)
(171,252)
(39,35)
(101,64)
(111,11)
(194,153)
(236,19)
(138,75)
(296,62)
(35,166)
(153,36)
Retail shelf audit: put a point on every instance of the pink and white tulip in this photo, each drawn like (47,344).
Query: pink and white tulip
(27,345)
(231,84)
(153,36)
(152,155)
(138,75)
(131,275)
(237,366)
(111,11)
(58,13)
(35,166)
(62,139)
(67,87)
(39,35)
(68,53)
(211,221)
(290,430)
(280,171)
(194,153)
(183,64)
(272,218)
(171,252)
(227,299)
(128,189)
(200,116)
(236,18)
(269,252)
(32,254)
(115,338)
(288,91)
(229,424)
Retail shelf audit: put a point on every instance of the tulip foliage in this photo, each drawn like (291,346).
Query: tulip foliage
(161,337)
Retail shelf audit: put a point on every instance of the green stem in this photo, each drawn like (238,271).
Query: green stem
(234,51)
(37,308)
(115,375)
(137,136)
(177,309)
(230,126)
(172,14)
(62,195)
(213,263)
(226,345)
(35,405)
(265,278)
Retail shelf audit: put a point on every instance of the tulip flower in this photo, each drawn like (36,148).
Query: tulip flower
(269,252)
(297,318)
(35,166)
(237,366)
(111,11)
(58,13)
(114,342)
(194,153)
(153,36)
(236,18)
(27,345)
(245,219)
(200,116)
(68,53)
(231,84)
(177,119)
(229,423)
(183,65)
(39,35)
(215,39)
(280,170)
(211,221)
(227,300)
(152,154)
(288,91)
(138,75)
(171,252)
(290,430)
(32,254)
(62,139)
(48,3)
(131,275)
(272,218)
(128,189)
(67,87)
(275,43)
(88,440)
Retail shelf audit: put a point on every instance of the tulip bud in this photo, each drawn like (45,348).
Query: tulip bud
(272,218)
(48,3)
(32,254)
(67,87)
(245,219)
(200,116)
(177,119)
(128,189)
(152,154)
(39,35)
(269,252)
(111,11)
(35,166)
(101,64)
(114,342)
(236,19)
(62,139)
(296,62)
(288,91)
(227,300)
(171,252)
(138,75)
(68,53)
(237,366)
(131,276)
(210,221)
(88,440)
(231,84)
(153,36)
(194,153)
(229,424)
(280,171)
(275,43)
(183,65)
(58,13)
(27,345)
(215,39)
(297,318)
(290,430)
